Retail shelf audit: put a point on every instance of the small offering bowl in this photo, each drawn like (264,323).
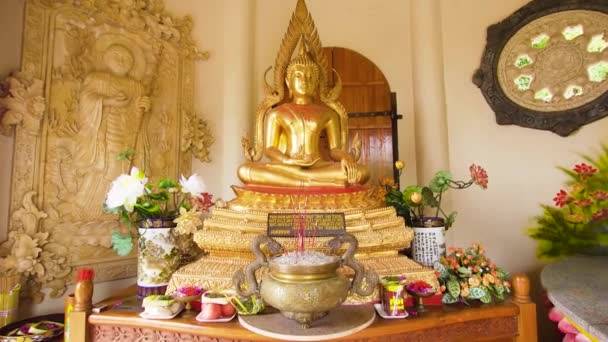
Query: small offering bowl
(420,290)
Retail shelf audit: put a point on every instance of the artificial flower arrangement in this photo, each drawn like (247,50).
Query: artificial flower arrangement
(134,199)
(469,275)
(420,287)
(579,220)
(414,201)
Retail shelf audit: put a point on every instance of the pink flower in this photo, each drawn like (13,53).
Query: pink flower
(479,175)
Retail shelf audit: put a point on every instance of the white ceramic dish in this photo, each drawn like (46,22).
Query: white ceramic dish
(219,320)
(149,316)
(380,311)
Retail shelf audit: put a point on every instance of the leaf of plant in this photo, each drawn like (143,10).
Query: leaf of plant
(450,219)
(486,299)
(121,244)
(448,298)
(499,296)
(439,182)
(429,198)
(393,194)
(160,196)
(499,289)
(439,267)
(477,292)
(464,271)
(127,154)
(453,288)
(124,216)
(147,210)
(167,183)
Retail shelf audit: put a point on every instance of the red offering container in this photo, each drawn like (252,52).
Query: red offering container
(393,294)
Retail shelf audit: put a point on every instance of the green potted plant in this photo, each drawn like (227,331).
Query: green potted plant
(426,216)
(578,222)
(162,212)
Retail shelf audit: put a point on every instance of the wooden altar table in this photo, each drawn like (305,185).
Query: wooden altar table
(507,321)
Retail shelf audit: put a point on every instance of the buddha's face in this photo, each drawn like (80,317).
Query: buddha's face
(118,59)
(303,80)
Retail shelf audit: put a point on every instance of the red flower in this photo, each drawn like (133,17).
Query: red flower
(585,202)
(420,286)
(202,204)
(561,198)
(479,175)
(584,170)
(600,195)
(600,214)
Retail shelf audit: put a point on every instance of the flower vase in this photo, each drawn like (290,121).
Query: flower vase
(429,240)
(158,256)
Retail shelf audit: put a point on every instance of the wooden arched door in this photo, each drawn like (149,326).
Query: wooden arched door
(371,108)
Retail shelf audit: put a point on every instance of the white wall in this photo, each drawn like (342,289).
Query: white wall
(521,162)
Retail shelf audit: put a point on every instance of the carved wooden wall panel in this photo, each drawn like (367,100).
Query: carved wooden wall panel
(546,65)
(98,77)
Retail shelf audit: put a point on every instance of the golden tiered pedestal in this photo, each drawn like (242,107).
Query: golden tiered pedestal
(227,235)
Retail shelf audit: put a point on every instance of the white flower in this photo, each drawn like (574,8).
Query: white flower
(193,185)
(126,189)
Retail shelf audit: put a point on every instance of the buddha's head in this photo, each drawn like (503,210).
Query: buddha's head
(302,76)
(118,59)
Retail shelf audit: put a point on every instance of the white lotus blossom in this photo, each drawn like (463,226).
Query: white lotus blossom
(126,189)
(193,185)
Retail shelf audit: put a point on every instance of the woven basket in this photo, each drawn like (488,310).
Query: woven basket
(9,299)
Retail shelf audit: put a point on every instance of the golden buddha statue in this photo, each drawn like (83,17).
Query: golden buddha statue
(301,175)
(292,135)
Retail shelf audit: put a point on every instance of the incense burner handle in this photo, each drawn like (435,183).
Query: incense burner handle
(364,281)
(245,276)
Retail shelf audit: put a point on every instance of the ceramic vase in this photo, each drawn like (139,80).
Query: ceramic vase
(429,240)
(158,256)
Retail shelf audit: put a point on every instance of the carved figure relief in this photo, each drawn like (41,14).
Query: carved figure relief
(104,77)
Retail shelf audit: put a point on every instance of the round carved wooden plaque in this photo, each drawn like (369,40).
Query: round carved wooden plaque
(546,66)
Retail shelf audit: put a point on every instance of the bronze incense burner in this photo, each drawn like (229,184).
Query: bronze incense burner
(305,293)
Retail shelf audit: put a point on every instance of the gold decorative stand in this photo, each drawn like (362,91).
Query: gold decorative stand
(228,233)
(342,321)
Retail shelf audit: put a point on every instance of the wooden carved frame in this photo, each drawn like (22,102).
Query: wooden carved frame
(65,53)
(556,118)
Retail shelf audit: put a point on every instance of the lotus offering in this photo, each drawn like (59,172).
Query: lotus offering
(420,289)
(188,294)
(215,305)
(35,331)
(160,306)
